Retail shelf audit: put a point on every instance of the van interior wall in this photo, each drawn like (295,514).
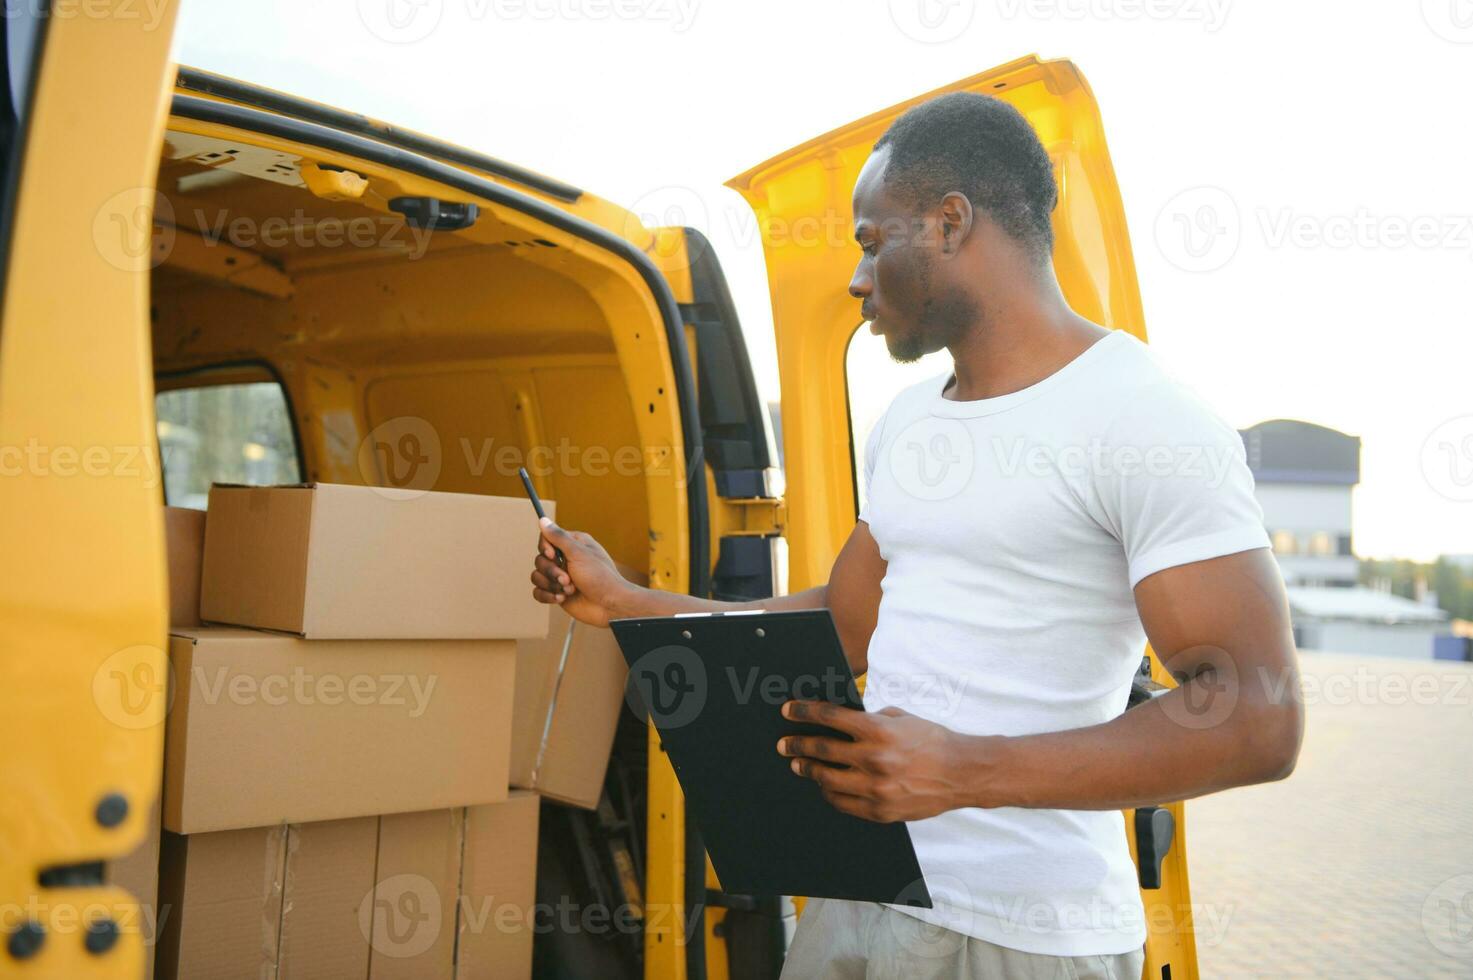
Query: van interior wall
(445,371)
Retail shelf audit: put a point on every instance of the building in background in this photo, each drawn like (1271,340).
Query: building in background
(1304,474)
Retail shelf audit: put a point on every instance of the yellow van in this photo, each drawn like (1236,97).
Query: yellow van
(328,297)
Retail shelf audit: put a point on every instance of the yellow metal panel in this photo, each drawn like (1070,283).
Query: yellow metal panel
(83,606)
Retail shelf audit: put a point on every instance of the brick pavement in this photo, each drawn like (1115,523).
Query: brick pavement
(1335,872)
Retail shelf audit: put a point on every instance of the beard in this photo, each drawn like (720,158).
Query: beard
(941,322)
(943,315)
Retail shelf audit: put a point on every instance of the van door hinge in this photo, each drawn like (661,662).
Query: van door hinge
(761,516)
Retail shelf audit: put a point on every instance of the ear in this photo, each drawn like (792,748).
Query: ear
(956,221)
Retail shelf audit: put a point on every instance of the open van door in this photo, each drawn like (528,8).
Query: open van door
(83,701)
(802,201)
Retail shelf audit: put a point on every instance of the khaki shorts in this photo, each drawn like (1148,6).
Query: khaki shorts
(863,941)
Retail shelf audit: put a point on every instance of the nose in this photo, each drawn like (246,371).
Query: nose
(861,286)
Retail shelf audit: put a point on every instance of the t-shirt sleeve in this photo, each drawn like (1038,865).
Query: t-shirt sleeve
(871,450)
(1173,484)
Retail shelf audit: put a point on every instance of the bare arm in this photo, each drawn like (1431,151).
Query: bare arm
(1221,626)
(591,589)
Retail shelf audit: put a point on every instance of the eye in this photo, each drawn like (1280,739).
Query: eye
(868,248)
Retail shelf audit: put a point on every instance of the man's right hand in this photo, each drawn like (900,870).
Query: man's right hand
(589,588)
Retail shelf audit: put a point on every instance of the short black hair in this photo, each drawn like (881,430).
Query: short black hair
(984,148)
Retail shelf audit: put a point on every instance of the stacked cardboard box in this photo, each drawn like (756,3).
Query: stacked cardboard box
(569,693)
(338,758)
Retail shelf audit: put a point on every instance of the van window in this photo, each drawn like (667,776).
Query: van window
(227,433)
(874,379)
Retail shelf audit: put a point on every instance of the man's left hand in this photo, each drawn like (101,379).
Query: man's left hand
(899,767)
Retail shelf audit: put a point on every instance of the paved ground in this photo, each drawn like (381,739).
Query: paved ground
(1361,863)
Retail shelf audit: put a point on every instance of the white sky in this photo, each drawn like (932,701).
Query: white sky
(1312,138)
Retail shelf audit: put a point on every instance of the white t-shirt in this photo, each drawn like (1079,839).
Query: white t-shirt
(1015,529)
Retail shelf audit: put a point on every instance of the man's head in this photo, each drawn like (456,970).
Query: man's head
(957,190)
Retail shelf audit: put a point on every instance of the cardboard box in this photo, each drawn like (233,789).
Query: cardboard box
(569,693)
(268,729)
(415,895)
(138,872)
(184,531)
(379,897)
(267,902)
(498,890)
(223,896)
(339,562)
(329,882)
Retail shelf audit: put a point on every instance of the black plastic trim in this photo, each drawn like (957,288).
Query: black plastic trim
(15,152)
(733,417)
(208,83)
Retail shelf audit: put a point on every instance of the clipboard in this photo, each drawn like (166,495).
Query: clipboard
(713,684)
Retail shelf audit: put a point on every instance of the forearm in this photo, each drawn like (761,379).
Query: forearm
(1161,751)
(640,601)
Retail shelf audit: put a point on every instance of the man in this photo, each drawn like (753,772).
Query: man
(1026,515)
